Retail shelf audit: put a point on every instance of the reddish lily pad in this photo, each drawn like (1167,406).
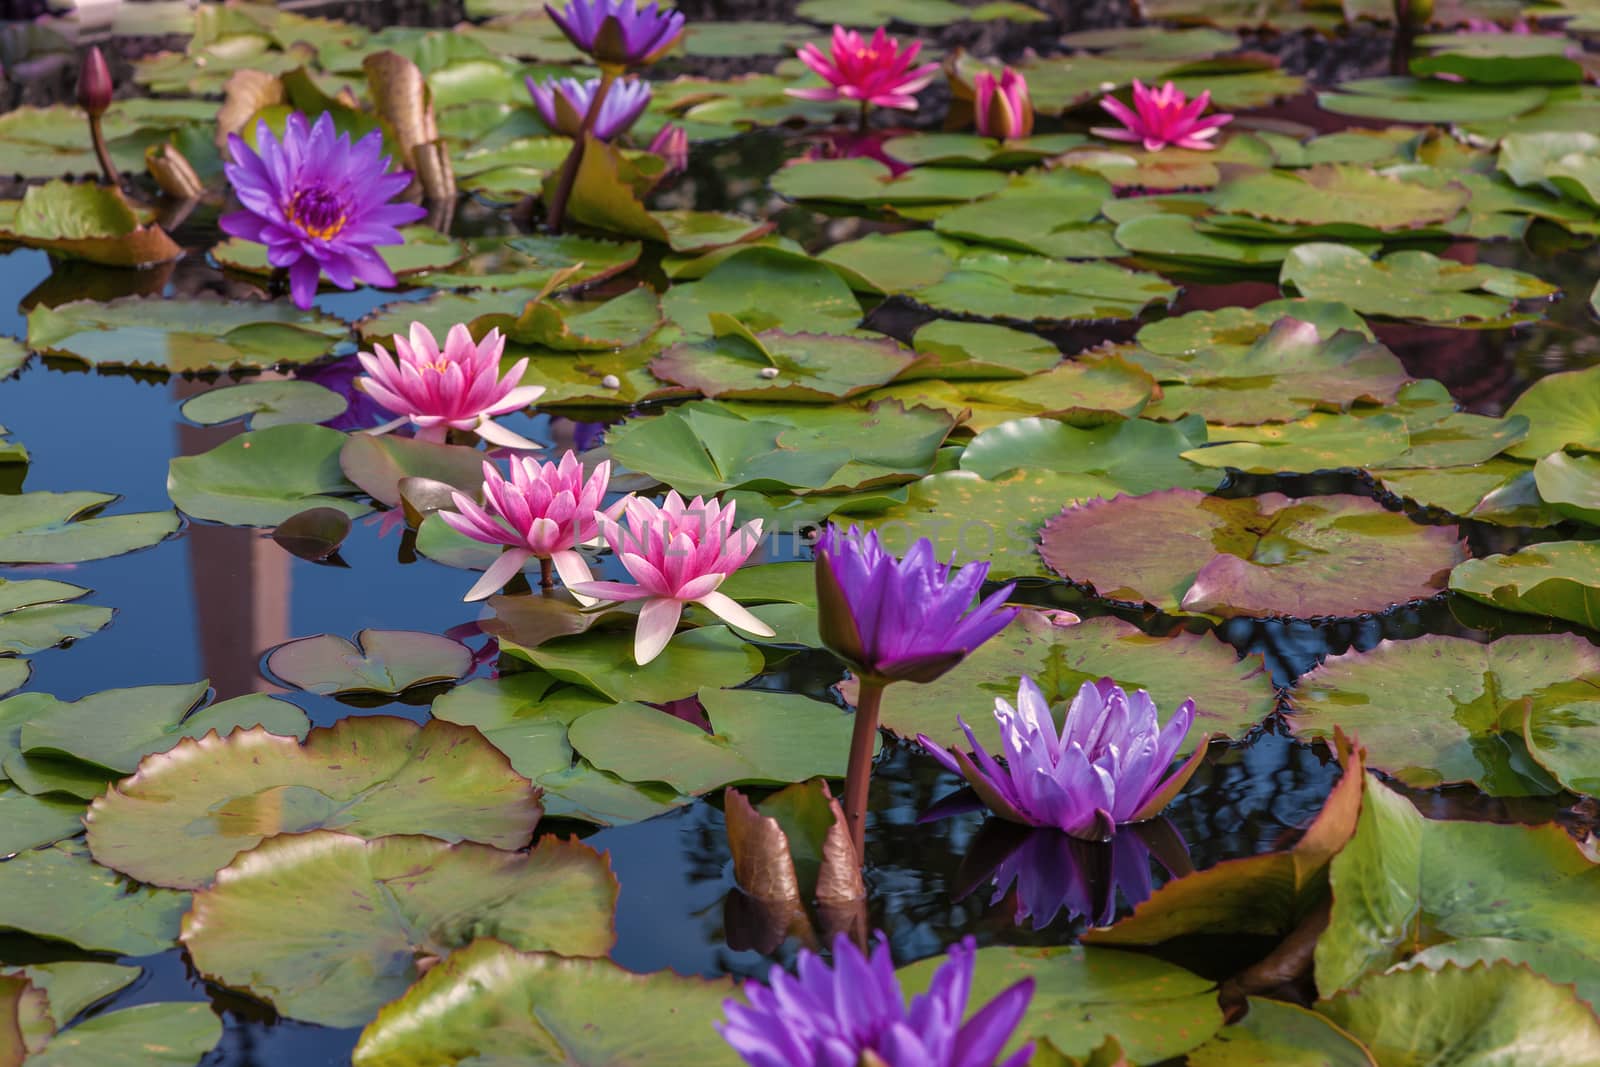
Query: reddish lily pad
(372,916)
(187,812)
(1255,556)
(379,661)
(378,464)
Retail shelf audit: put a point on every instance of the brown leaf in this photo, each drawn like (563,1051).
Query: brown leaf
(762,865)
(246,92)
(762,925)
(839,878)
(173,172)
(405,105)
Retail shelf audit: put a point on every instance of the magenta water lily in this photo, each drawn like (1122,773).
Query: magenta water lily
(855,1013)
(1002,106)
(1162,117)
(1110,763)
(455,388)
(544,512)
(876,71)
(320,204)
(678,553)
(564,102)
(618,32)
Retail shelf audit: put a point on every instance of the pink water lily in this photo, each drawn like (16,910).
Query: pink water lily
(1002,107)
(678,554)
(1162,117)
(544,512)
(877,72)
(457,388)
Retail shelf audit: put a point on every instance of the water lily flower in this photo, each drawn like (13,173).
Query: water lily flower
(1161,117)
(319,204)
(454,389)
(94,83)
(1108,766)
(678,554)
(671,143)
(855,1013)
(618,32)
(894,620)
(1002,106)
(876,72)
(544,512)
(563,103)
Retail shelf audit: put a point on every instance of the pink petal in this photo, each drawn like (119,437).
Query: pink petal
(735,614)
(499,573)
(658,621)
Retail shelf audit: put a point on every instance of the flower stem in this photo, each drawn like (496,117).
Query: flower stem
(861,117)
(546,574)
(557,213)
(859,775)
(108,169)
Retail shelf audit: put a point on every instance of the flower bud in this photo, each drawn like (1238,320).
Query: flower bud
(94,83)
(671,143)
(1002,107)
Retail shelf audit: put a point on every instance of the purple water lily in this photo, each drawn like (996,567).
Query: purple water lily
(563,103)
(1108,765)
(901,619)
(319,204)
(618,32)
(834,1017)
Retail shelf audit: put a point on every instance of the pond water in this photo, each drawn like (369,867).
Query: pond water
(213,600)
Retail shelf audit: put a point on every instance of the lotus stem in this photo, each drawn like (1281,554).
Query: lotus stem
(859,775)
(569,170)
(108,169)
(547,571)
(861,117)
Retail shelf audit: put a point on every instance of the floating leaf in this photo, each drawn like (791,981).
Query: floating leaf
(61,894)
(1563,411)
(1263,556)
(978,350)
(914,12)
(314,534)
(1338,200)
(371,916)
(772,365)
(1411,285)
(765,288)
(1053,213)
(379,464)
(183,335)
(871,183)
(711,656)
(262,477)
(1085,392)
(187,812)
(378,661)
(1283,1035)
(1231,695)
(1137,455)
(1031,288)
(1498,59)
(85,221)
(34,617)
(567,1011)
(147,1035)
(1315,443)
(756,737)
(1555,578)
(67,528)
(425,249)
(1430,100)
(28,822)
(1571,484)
(267,403)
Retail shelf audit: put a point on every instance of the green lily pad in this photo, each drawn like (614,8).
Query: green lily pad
(710,446)
(379,464)
(534,262)
(1084,391)
(1465,706)
(765,288)
(1232,331)
(978,350)
(602,661)
(1563,411)
(971,149)
(1032,288)
(913,12)
(48,527)
(368,913)
(1283,1035)
(1412,285)
(425,249)
(1553,961)
(147,1035)
(1498,59)
(183,335)
(1137,455)
(1268,555)
(1430,100)
(47,142)
(72,986)
(1179,237)
(34,615)
(1339,200)
(13,674)
(12,356)
(61,894)
(578,326)
(1471,1014)
(266,404)
(1083,995)
(1556,578)
(1403,878)
(566,1011)
(1571,484)
(189,811)
(809,368)
(86,221)
(31,822)
(1488,492)
(1231,695)
(1317,442)
(757,737)
(262,477)
(1053,213)
(893,262)
(378,661)
(871,183)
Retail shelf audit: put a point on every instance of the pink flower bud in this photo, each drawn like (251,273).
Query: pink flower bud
(94,83)
(671,143)
(1002,106)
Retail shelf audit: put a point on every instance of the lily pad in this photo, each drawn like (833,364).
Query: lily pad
(187,812)
(1283,1035)
(913,12)
(34,615)
(1339,200)
(262,477)
(61,894)
(379,464)
(978,350)
(378,661)
(425,249)
(1570,484)
(1232,331)
(371,916)
(1315,443)
(809,368)
(1053,213)
(267,404)
(871,183)
(1563,411)
(49,527)
(1556,578)
(602,661)
(86,221)
(1412,285)
(567,1011)
(578,326)
(183,335)
(1084,392)
(765,288)
(147,1035)
(756,737)
(1027,288)
(1429,100)
(1231,695)
(1268,555)
(1465,705)
(28,822)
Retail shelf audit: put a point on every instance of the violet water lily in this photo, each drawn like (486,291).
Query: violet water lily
(618,32)
(455,388)
(320,204)
(875,72)
(892,620)
(544,512)
(678,553)
(855,1013)
(563,104)
(1162,117)
(1110,763)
